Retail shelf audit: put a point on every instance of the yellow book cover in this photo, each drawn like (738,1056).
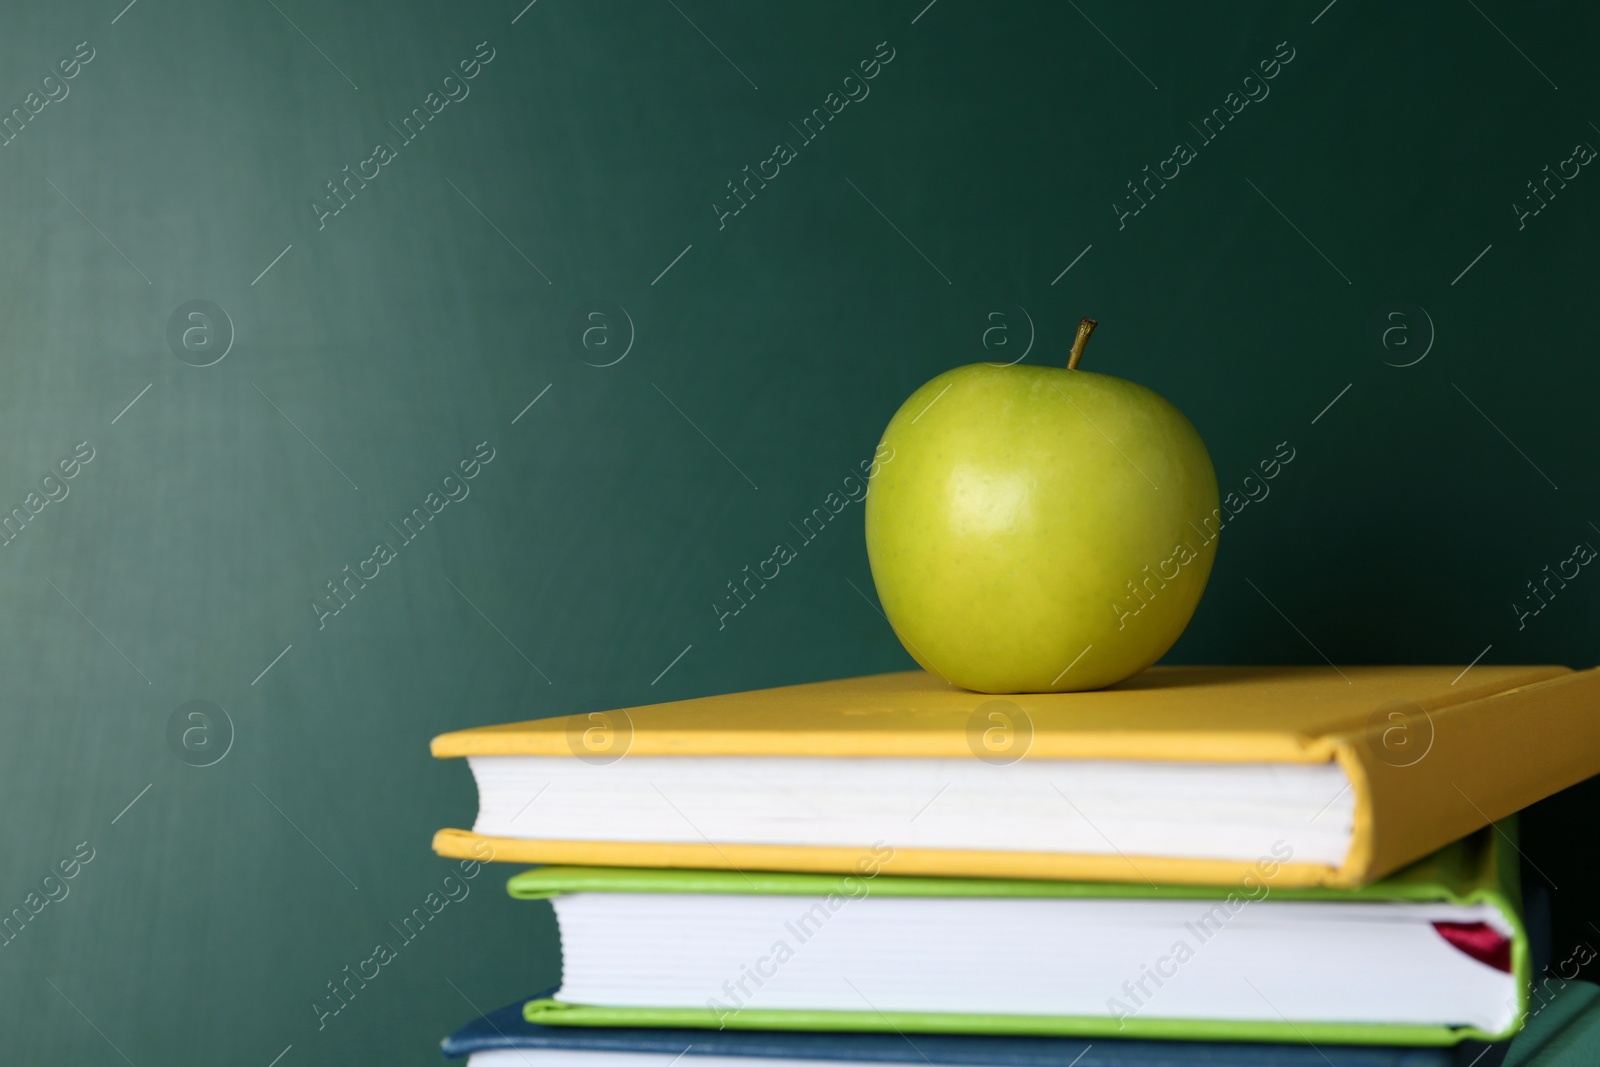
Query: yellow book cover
(1420,756)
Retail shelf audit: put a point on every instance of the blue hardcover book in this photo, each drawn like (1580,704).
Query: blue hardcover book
(504,1038)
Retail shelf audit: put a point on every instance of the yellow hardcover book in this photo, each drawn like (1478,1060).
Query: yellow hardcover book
(1181,775)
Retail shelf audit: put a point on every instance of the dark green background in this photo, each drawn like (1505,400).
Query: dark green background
(409,329)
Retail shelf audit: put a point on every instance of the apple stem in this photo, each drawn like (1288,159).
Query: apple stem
(1085,328)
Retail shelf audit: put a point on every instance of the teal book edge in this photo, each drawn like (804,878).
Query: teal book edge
(1563,1033)
(1479,869)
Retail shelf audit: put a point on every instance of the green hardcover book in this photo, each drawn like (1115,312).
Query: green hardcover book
(1432,955)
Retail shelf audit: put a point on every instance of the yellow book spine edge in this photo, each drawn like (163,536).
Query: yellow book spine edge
(947,863)
(1424,778)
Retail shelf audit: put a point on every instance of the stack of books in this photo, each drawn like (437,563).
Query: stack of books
(1198,866)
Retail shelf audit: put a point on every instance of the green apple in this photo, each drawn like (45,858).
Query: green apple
(1040,529)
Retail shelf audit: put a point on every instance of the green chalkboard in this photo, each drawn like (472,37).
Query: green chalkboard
(374,370)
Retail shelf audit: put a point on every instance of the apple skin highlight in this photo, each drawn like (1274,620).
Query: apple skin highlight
(1042,529)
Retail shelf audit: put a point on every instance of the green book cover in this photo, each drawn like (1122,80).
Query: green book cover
(1478,870)
(1565,1032)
